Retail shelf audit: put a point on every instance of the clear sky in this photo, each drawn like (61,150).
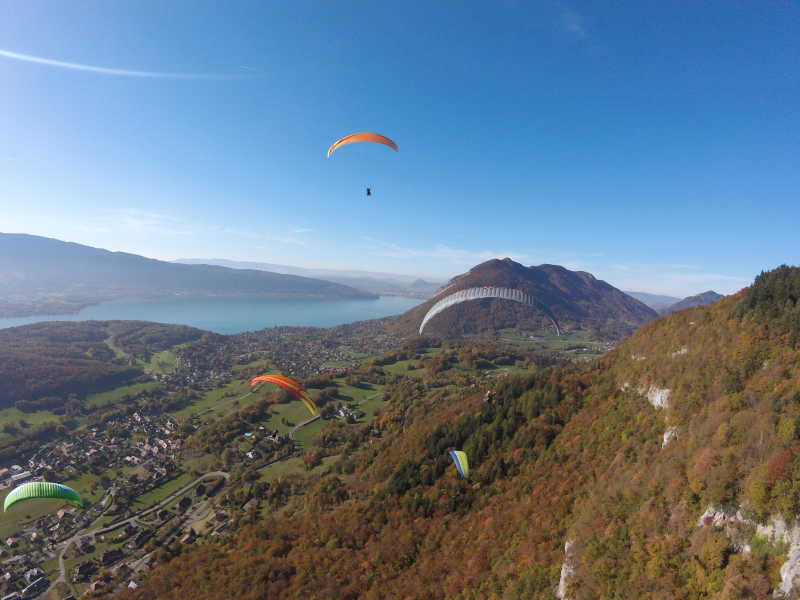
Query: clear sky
(655,143)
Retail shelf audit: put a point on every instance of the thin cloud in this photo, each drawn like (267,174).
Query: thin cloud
(440,251)
(152,222)
(673,279)
(302,230)
(108,70)
(285,239)
(572,21)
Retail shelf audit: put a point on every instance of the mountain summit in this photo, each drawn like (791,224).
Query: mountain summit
(574,299)
(703,299)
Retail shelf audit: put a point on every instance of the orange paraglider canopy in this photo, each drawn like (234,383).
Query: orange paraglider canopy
(366,136)
(287,380)
(295,388)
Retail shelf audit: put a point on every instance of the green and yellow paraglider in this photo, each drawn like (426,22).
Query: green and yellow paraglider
(462,464)
(42,489)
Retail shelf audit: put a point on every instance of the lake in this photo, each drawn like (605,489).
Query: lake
(234,315)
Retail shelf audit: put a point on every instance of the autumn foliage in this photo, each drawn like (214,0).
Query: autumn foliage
(561,453)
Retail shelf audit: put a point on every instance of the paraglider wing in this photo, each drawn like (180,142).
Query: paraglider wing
(462,464)
(312,408)
(290,385)
(365,136)
(281,380)
(286,380)
(487,291)
(42,489)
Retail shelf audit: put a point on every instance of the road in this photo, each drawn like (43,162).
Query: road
(303,424)
(62,578)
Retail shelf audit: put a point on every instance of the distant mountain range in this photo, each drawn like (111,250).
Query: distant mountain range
(655,301)
(41,275)
(709,297)
(382,284)
(575,299)
(665,305)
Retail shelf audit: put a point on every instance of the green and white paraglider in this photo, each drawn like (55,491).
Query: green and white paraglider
(42,489)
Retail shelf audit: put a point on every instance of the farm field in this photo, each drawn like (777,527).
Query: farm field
(156,495)
(218,401)
(117,394)
(13,416)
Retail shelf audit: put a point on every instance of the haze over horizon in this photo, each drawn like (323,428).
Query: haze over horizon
(653,146)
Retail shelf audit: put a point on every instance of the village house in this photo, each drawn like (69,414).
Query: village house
(84,571)
(35,588)
(111,556)
(33,574)
(21,477)
(97,585)
(65,512)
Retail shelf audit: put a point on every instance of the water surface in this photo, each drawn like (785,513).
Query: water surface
(234,315)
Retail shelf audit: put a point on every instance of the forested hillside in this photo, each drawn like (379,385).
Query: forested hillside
(669,468)
(44,363)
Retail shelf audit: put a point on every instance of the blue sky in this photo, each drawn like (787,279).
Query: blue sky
(652,143)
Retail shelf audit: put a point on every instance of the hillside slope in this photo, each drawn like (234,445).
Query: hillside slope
(670,468)
(575,299)
(45,363)
(40,275)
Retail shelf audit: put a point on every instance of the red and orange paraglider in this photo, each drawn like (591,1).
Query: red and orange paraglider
(295,388)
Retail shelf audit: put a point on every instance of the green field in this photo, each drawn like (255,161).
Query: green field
(117,394)
(263,364)
(118,352)
(23,513)
(368,398)
(219,401)
(158,494)
(293,465)
(13,415)
(162,362)
(580,341)
(50,568)
(361,358)
(305,435)
(401,367)
(83,485)
(294,412)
